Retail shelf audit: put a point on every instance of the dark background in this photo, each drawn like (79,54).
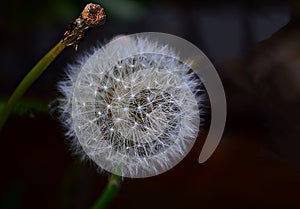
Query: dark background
(255,46)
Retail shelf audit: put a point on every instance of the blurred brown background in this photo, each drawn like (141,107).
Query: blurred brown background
(255,46)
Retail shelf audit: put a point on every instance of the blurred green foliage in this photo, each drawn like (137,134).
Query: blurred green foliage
(13,196)
(32,12)
(28,108)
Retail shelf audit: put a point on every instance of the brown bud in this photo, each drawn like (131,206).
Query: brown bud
(93,15)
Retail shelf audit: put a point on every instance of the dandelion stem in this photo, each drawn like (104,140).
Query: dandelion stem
(110,191)
(92,15)
(34,73)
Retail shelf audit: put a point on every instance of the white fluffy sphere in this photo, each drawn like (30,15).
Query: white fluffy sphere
(132,107)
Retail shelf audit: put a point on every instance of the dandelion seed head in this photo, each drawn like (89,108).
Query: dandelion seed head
(135,104)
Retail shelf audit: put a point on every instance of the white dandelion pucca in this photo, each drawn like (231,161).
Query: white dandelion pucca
(132,106)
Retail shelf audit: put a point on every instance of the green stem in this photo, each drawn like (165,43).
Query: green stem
(35,72)
(110,191)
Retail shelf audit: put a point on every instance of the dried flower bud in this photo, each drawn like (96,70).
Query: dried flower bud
(93,15)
